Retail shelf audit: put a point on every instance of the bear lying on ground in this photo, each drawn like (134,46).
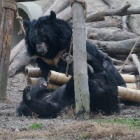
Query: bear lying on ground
(49,36)
(48,104)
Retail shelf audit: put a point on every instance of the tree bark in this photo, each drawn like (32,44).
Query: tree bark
(6,30)
(117,47)
(80,61)
(107,34)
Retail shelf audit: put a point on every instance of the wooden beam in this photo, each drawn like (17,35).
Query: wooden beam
(80,61)
(6,30)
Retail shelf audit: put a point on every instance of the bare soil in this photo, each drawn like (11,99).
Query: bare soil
(65,126)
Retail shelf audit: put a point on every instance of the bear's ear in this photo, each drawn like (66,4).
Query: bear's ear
(26,24)
(52,15)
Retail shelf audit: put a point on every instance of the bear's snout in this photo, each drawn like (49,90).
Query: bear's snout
(41,48)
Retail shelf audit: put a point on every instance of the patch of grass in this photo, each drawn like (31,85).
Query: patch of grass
(36,126)
(85,136)
(131,122)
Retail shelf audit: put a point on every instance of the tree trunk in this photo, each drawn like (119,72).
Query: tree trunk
(80,61)
(6,30)
(117,47)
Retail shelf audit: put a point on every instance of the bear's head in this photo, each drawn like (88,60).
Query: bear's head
(47,36)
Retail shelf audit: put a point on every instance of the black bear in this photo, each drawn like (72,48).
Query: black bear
(49,37)
(48,104)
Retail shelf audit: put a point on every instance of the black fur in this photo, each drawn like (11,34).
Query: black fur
(47,104)
(49,35)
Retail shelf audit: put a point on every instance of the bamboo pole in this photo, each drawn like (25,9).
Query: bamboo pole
(58,78)
(6,29)
(128,78)
(129,94)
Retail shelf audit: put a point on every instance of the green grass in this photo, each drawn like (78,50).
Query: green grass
(132,123)
(36,126)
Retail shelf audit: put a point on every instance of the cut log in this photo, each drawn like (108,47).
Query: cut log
(131,85)
(136,61)
(117,62)
(117,47)
(109,34)
(58,78)
(32,72)
(129,94)
(32,81)
(128,68)
(128,78)
(104,23)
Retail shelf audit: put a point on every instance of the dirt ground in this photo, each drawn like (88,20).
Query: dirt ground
(64,127)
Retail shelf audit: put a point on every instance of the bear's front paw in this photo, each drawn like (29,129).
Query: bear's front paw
(27,89)
(67,57)
(26,92)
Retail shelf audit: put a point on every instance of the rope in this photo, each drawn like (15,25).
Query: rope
(21,29)
(8,4)
(68,62)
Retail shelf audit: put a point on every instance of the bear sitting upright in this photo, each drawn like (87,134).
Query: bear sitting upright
(49,37)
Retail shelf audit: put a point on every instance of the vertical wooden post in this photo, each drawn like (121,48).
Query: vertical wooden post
(80,60)
(6,29)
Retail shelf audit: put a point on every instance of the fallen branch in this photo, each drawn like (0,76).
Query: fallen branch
(113,12)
